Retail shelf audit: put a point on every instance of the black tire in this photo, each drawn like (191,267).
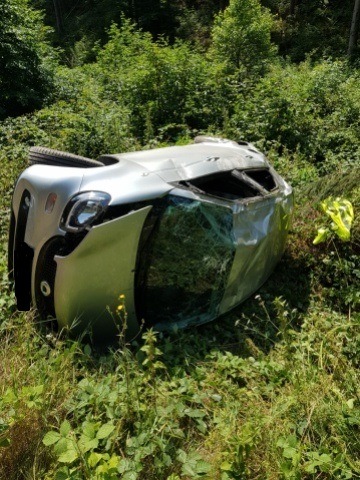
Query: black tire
(48,156)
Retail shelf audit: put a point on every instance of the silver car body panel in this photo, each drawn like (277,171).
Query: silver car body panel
(174,164)
(41,180)
(125,181)
(89,282)
(259,246)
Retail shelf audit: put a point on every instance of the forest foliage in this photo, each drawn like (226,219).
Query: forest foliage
(26,58)
(269,391)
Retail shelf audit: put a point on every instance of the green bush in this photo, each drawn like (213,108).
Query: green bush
(306,109)
(160,84)
(241,37)
(26,59)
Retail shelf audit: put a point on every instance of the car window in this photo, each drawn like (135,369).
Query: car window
(263,177)
(186,262)
(234,185)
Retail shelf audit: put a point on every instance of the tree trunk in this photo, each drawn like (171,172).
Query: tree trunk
(354,32)
(292,7)
(58,16)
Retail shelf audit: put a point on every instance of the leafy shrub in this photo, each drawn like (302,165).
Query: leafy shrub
(87,127)
(241,36)
(112,432)
(26,59)
(306,109)
(160,84)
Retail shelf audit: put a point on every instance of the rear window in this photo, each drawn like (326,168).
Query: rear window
(263,178)
(234,185)
(225,185)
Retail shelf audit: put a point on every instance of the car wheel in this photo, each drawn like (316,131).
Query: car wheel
(48,156)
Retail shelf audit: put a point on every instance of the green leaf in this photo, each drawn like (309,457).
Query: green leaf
(105,430)
(4,442)
(94,459)
(86,444)
(61,446)
(289,452)
(9,396)
(311,467)
(226,466)
(346,474)
(194,413)
(202,467)
(287,469)
(51,437)
(30,392)
(114,461)
(326,462)
(88,430)
(188,469)
(281,442)
(201,426)
(292,441)
(65,428)
(70,454)
(181,456)
(62,474)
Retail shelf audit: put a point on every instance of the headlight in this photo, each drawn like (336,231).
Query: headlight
(83,210)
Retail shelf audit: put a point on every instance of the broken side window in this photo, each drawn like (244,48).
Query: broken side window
(234,185)
(184,266)
(223,185)
(263,177)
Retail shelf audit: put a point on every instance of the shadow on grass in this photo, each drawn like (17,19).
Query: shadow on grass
(252,328)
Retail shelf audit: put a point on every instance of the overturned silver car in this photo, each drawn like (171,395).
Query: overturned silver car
(183,233)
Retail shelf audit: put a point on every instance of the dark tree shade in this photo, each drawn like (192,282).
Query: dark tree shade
(354,31)
(25,58)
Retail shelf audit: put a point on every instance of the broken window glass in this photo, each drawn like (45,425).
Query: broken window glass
(186,263)
(225,185)
(263,178)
